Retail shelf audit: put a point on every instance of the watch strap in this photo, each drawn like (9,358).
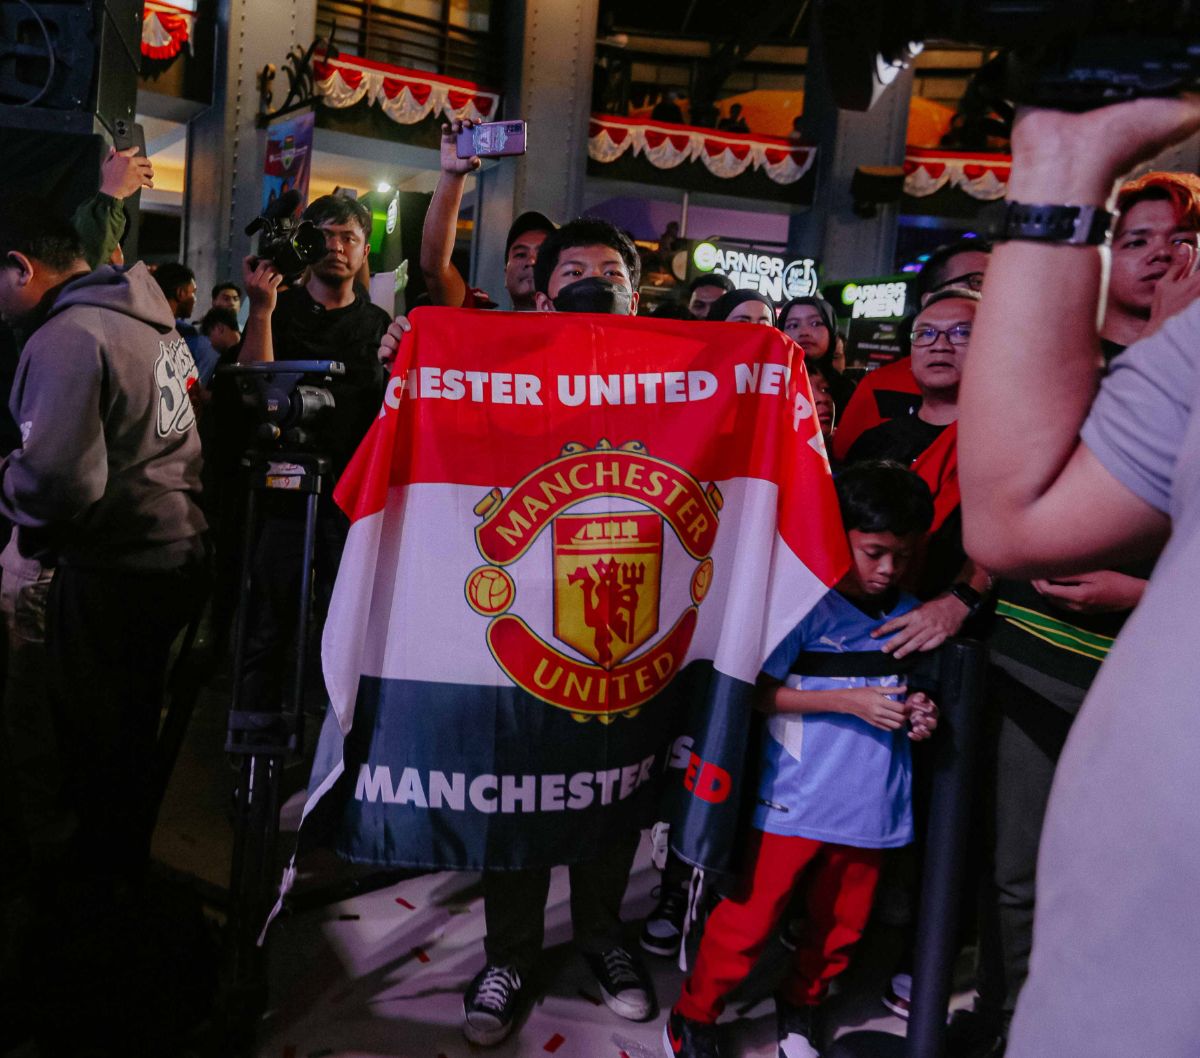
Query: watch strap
(1072,225)
(968,596)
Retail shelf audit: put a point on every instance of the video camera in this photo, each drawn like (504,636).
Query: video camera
(290,245)
(1063,54)
(288,396)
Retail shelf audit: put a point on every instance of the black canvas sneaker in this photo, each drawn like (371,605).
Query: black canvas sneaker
(663,928)
(624,983)
(490,1004)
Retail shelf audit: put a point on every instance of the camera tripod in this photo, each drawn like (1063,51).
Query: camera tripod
(263,740)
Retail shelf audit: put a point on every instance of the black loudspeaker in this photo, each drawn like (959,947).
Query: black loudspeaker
(68,89)
(66,65)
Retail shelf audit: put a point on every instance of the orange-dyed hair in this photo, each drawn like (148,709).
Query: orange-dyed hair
(1182,190)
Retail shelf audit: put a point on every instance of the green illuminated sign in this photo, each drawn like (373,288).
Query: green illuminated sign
(706,256)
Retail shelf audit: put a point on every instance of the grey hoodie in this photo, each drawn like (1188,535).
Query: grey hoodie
(109,469)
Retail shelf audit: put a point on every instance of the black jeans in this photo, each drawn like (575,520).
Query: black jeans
(1029,737)
(109,634)
(514,905)
(274,602)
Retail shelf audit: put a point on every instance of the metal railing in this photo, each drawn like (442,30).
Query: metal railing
(383,34)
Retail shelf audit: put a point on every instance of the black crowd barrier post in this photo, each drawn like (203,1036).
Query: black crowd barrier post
(962,664)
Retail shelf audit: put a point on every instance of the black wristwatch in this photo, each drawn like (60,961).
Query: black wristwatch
(1071,225)
(968,596)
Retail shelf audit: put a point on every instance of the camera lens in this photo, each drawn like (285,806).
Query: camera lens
(309,242)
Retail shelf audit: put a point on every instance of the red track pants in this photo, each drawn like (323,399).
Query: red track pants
(840,886)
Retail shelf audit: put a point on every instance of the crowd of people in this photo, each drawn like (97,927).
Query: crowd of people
(117,420)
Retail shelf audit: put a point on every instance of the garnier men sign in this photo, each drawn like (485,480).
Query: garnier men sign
(877,310)
(748,267)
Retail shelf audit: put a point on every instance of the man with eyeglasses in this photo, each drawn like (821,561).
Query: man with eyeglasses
(329,317)
(891,391)
(926,440)
(940,335)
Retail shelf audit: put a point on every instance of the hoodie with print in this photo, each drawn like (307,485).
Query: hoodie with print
(109,469)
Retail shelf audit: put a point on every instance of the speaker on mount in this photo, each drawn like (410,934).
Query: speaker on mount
(68,90)
(64,63)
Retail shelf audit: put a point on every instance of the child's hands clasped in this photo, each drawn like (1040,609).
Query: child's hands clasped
(877,706)
(922,716)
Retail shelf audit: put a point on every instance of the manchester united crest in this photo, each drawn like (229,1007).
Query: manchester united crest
(613,647)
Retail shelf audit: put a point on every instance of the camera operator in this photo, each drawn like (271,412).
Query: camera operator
(328,318)
(1054,484)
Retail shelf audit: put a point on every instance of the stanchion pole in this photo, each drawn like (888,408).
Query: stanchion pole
(956,743)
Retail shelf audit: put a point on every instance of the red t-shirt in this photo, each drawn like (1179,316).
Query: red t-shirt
(883,394)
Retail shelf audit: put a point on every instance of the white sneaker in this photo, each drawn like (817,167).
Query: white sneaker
(898,997)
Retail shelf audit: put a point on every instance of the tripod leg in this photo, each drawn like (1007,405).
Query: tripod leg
(245,995)
(295,703)
(254,875)
(241,625)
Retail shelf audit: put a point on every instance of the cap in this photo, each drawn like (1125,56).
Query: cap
(529,221)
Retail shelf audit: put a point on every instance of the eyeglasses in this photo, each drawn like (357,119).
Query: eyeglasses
(959,334)
(970,280)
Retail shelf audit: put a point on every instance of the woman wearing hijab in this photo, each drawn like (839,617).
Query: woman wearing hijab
(812,325)
(743,306)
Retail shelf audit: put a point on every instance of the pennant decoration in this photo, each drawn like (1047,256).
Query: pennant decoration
(724,154)
(406,96)
(166,28)
(978,174)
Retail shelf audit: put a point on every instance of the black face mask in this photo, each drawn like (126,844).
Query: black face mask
(594,294)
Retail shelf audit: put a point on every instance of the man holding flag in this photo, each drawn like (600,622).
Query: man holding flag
(586,266)
(517,714)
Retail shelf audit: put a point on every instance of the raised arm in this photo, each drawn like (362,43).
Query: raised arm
(262,290)
(444,282)
(1035,500)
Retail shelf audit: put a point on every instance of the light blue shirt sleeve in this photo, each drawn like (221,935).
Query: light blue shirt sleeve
(1136,425)
(779,662)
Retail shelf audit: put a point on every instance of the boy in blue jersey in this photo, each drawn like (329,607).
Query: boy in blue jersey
(836,779)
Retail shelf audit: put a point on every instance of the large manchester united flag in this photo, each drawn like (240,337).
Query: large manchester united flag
(574,540)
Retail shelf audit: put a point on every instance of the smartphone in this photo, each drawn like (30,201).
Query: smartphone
(492,139)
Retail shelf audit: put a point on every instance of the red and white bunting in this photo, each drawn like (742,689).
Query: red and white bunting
(724,154)
(405,96)
(165,29)
(978,174)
